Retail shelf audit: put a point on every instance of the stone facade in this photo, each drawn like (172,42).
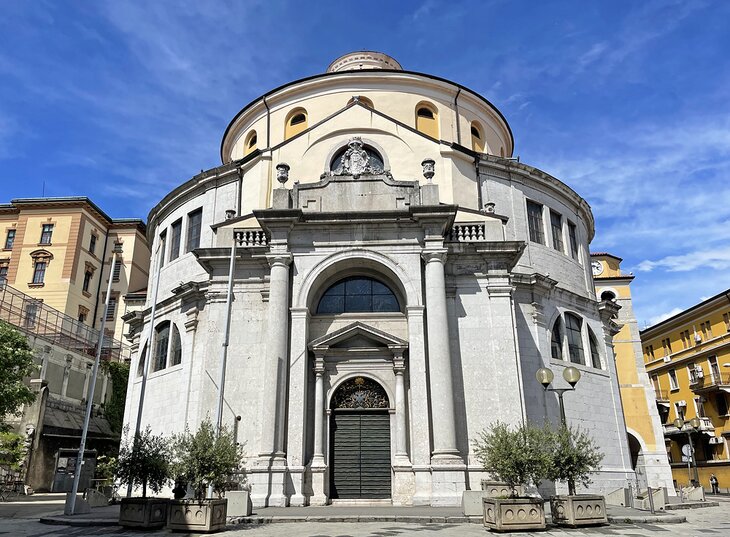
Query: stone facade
(472,297)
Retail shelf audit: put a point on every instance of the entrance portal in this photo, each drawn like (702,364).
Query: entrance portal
(360,441)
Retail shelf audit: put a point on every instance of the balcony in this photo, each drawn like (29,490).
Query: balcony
(249,238)
(468,232)
(712,383)
(662,396)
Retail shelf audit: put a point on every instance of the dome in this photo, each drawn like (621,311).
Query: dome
(366,59)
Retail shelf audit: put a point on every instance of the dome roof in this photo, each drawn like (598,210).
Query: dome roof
(366,59)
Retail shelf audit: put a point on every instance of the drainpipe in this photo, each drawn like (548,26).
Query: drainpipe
(480,201)
(458,123)
(101,274)
(268,123)
(239,193)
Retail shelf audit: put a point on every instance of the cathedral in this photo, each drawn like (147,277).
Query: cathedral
(397,279)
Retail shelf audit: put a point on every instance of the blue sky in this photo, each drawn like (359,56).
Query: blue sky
(627,102)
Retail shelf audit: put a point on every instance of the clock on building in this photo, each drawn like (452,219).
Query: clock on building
(597,268)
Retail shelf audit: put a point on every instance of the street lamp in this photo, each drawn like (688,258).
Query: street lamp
(694,425)
(571,375)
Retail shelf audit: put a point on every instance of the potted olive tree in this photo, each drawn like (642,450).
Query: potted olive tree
(575,456)
(143,462)
(202,460)
(517,456)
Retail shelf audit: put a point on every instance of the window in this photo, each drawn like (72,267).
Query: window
(87,280)
(31,312)
(175,347)
(575,343)
(46,233)
(296,122)
(684,336)
(117,270)
(3,274)
(427,120)
(556,224)
(721,404)
(673,384)
(608,295)
(595,355)
(358,294)
(573,237)
(111,311)
(92,244)
(162,340)
(649,349)
(667,346)
(251,143)
(141,362)
(10,239)
(362,100)
(175,233)
(195,220)
(82,317)
(376,162)
(726,318)
(39,272)
(706,330)
(534,222)
(692,374)
(477,138)
(163,247)
(655,382)
(714,368)
(699,407)
(556,340)
(679,410)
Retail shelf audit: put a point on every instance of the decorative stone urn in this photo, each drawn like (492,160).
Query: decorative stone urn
(514,514)
(578,510)
(197,515)
(143,512)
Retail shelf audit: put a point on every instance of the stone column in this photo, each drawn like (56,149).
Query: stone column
(66,374)
(399,367)
(87,378)
(298,420)
(319,467)
(439,360)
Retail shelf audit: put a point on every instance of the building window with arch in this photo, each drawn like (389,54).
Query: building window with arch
(251,143)
(358,294)
(296,122)
(175,347)
(167,346)
(41,258)
(608,295)
(477,137)
(427,119)
(556,340)
(343,161)
(362,100)
(573,325)
(140,364)
(595,354)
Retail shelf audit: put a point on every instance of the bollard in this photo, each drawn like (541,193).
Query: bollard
(651,500)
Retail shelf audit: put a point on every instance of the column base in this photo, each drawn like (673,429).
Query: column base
(422,477)
(448,482)
(320,484)
(268,481)
(297,479)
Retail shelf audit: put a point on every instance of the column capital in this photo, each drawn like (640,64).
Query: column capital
(279,258)
(319,365)
(434,255)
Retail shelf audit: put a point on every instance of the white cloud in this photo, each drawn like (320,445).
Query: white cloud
(716,259)
(665,316)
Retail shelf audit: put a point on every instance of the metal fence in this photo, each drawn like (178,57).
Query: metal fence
(32,317)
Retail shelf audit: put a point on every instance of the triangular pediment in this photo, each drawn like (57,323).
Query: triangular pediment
(358,335)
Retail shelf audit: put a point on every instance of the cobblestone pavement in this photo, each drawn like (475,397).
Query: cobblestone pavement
(707,522)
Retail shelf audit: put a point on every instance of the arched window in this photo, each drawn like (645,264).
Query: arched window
(251,143)
(477,138)
(595,355)
(363,100)
(140,364)
(427,119)
(175,347)
(376,162)
(162,342)
(358,294)
(575,342)
(608,295)
(556,341)
(296,122)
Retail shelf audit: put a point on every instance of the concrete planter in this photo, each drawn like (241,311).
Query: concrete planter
(197,515)
(143,512)
(578,510)
(239,503)
(514,514)
(499,489)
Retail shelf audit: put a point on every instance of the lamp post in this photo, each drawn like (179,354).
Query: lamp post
(694,425)
(70,507)
(571,375)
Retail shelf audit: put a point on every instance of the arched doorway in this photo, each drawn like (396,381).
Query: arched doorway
(637,460)
(359,452)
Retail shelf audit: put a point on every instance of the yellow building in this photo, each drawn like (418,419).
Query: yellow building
(688,359)
(643,423)
(59,251)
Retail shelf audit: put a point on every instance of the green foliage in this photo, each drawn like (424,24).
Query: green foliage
(114,408)
(575,456)
(144,461)
(106,467)
(11,450)
(517,455)
(16,364)
(201,459)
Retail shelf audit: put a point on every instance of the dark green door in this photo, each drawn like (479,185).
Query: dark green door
(360,454)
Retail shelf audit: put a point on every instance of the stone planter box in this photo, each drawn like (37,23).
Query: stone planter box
(499,489)
(239,503)
(578,510)
(143,512)
(514,514)
(197,515)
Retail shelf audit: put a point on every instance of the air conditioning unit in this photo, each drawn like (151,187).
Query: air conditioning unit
(699,372)
(667,359)
(698,338)
(715,440)
(682,403)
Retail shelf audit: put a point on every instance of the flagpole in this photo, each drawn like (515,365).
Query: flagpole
(70,505)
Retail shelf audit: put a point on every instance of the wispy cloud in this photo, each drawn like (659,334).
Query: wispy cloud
(716,259)
(665,316)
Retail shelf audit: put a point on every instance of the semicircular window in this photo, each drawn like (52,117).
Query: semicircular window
(360,392)
(339,163)
(358,294)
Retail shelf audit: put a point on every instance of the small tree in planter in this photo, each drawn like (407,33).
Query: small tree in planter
(575,456)
(144,462)
(204,459)
(516,456)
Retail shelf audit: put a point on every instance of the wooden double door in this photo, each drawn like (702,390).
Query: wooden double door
(360,466)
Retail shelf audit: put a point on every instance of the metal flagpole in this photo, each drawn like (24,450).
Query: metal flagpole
(146,363)
(70,506)
(224,353)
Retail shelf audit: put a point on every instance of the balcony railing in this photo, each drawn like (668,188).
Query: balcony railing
(661,395)
(712,382)
(475,232)
(33,317)
(247,238)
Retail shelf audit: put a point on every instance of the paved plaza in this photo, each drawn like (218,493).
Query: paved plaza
(21,519)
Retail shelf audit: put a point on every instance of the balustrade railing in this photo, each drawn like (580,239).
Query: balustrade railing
(247,238)
(463,232)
